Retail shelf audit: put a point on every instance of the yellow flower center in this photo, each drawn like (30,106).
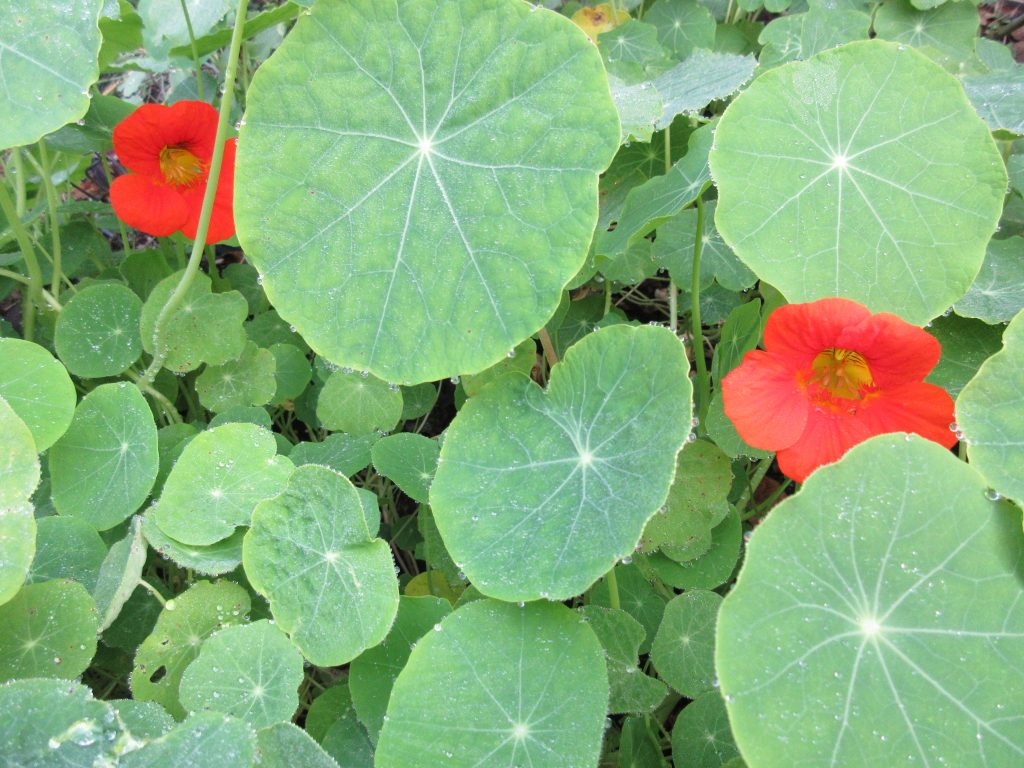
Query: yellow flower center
(180,167)
(842,372)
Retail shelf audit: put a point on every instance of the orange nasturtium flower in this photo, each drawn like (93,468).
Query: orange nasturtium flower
(832,375)
(598,19)
(168,150)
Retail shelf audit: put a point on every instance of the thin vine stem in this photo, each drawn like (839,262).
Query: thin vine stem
(702,394)
(46,169)
(34,287)
(160,350)
(195,51)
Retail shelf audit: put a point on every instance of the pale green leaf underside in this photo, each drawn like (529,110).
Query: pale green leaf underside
(539,493)
(530,685)
(862,172)
(885,602)
(990,411)
(47,64)
(700,79)
(999,99)
(205,738)
(441,218)
(331,586)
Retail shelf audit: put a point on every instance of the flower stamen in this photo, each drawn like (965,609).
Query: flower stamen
(180,167)
(843,373)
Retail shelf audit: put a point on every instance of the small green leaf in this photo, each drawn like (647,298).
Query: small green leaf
(47,630)
(418,400)
(19,464)
(997,293)
(119,574)
(209,560)
(637,597)
(291,373)
(709,570)
(18,544)
(409,461)
(358,403)
(249,671)
(343,453)
(683,25)
(482,188)
(37,388)
(843,134)
(104,466)
(49,66)
(950,29)
(143,719)
(97,332)
(537,494)
(372,675)
(701,737)
(988,412)
(531,687)
(205,738)
(631,51)
(966,344)
(310,542)
(66,548)
(684,648)
(206,328)
(248,380)
(331,705)
(875,644)
(284,745)
(180,629)
(218,480)
(801,35)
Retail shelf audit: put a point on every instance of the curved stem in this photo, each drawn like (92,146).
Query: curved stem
(175,299)
(702,387)
(195,52)
(613,589)
(51,203)
(165,405)
(35,285)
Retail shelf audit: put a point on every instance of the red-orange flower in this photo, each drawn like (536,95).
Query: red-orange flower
(168,150)
(832,375)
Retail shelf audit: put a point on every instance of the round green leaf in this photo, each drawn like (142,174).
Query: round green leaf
(852,135)
(684,648)
(47,630)
(37,388)
(144,719)
(997,293)
(529,687)
(55,723)
(104,466)
(284,745)
(218,480)
(951,29)
(209,560)
(966,344)
(49,63)
(247,381)
(358,403)
(18,544)
(331,586)
(540,493)
(989,412)
(409,461)
(449,210)
(67,548)
(637,597)
(372,675)
(19,464)
(683,25)
(332,705)
(205,738)
(343,453)
(712,568)
(701,737)
(884,605)
(249,671)
(97,332)
(180,629)
(292,372)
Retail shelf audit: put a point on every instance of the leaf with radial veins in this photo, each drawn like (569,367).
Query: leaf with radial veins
(520,685)
(862,172)
(539,493)
(441,218)
(885,604)
(37,388)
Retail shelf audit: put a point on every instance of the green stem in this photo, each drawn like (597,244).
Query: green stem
(607,297)
(192,268)
(152,590)
(673,290)
(20,196)
(126,247)
(753,482)
(613,589)
(166,405)
(703,382)
(15,276)
(35,285)
(51,204)
(195,52)
(768,503)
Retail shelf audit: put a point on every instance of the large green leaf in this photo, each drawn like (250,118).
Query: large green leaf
(442,210)
(218,480)
(701,737)
(48,55)
(835,156)
(104,466)
(249,671)
(97,332)
(497,684)
(884,601)
(38,388)
(19,476)
(331,586)
(990,414)
(539,493)
(205,738)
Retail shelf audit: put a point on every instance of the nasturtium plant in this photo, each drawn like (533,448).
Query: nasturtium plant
(842,134)
(472,448)
(482,191)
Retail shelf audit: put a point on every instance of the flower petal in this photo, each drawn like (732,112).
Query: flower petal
(896,351)
(825,439)
(148,205)
(924,409)
(222,218)
(800,331)
(764,401)
(139,138)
